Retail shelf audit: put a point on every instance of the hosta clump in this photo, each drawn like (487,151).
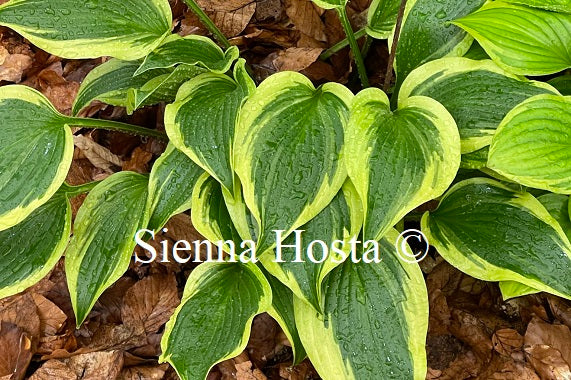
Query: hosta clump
(249,159)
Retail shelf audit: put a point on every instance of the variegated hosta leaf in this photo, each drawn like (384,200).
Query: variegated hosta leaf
(330,4)
(341,220)
(162,88)
(190,50)
(476,52)
(127,29)
(36,148)
(551,5)
(202,121)
(210,214)
(427,34)
(478,94)
(399,160)
(490,232)
(475,160)
(374,322)
(114,83)
(103,238)
(170,186)
(523,40)
(241,216)
(562,84)
(214,319)
(533,144)
(382,17)
(558,206)
(283,312)
(30,250)
(288,149)
(512,289)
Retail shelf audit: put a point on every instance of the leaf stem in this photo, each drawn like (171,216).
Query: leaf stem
(354,46)
(116,126)
(389,73)
(220,37)
(341,45)
(73,191)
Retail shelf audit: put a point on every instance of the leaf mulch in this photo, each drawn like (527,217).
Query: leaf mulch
(473,334)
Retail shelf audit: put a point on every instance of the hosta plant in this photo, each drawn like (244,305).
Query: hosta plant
(468,122)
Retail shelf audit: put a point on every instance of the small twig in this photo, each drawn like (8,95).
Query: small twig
(212,28)
(111,125)
(341,45)
(389,73)
(354,46)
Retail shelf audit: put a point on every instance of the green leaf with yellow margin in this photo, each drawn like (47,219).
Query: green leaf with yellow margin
(190,50)
(340,221)
(513,289)
(558,206)
(427,34)
(382,17)
(202,121)
(214,319)
(30,250)
(127,29)
(36,152)
(170,186)
(330,4)
(532,145)
(522,40)
(104,238)
(550,5)
(288,151)
(493,233)
(399,160)
(478,94)
(374,321)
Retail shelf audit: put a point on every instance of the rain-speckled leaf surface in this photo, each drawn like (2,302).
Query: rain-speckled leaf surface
(427,34)
(374,323)
(29,250)
(35,154)
(399,160)
(288,149)
(493,233)
(341,220)
(110,83)
(282,311)
(562,84)
(170,186)
(558,206)
(104,238)
(126,29)
(190,50)
(478,94)
(382,17)
(551,5)
(475,160)
(213,321)
(210,214)
(522,40)
(202,121)
(533,144)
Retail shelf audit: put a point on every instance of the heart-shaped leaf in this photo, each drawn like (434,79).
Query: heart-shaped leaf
(214,319)
(170,186)
(190,50)
(341,220)
(127,29)
(104,238)
(374,321)
(30,250)
(287,151)
(399,160)
(522,40)
(35,155)
(427,34)
(533,144)
(493,233)
(478,94)
(202,121)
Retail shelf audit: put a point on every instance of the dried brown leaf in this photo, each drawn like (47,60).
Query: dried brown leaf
(139,161)
(98,155)
(548,362)
(97,365)
(54,369)
(144,372)
(557,337)
(12,66)
(296,59)
(231,16)
(306,18)
(16,351)
(506,341)
(51,316)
